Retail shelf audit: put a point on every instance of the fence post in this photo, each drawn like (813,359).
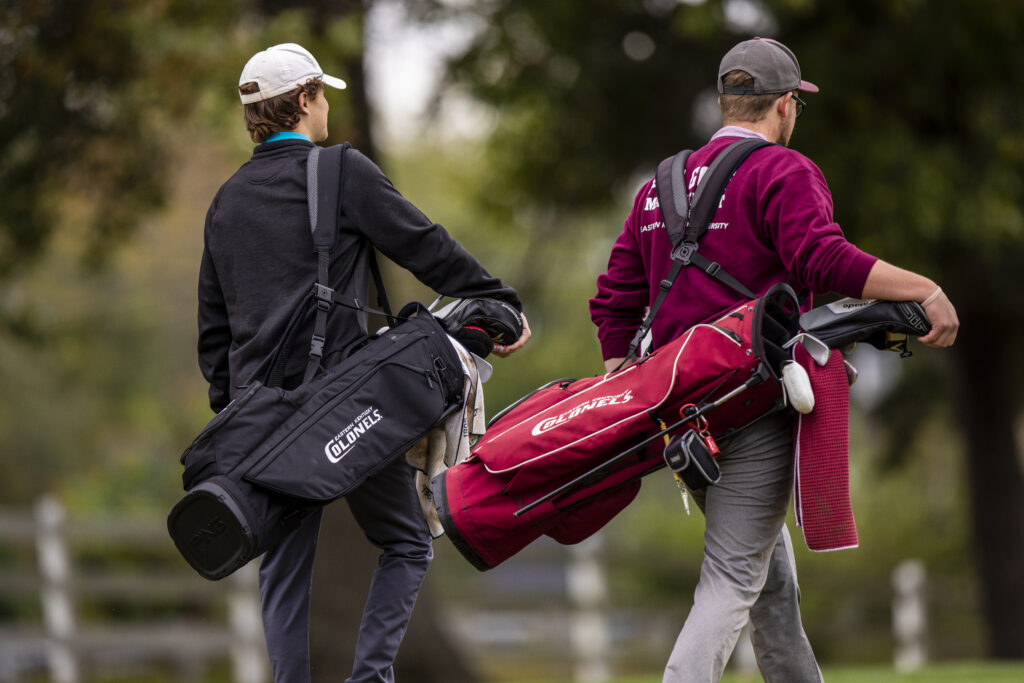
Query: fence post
(588,623)
(55,570)
(248,657)
(909,615)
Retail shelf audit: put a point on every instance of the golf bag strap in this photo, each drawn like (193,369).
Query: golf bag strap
(685,224)
(378,284)
(705,203)
(323,195)
(324,169)
(325,209)
(671,186)
(717,177)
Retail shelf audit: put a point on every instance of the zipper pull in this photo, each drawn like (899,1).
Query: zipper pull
(682,492)
(675,475)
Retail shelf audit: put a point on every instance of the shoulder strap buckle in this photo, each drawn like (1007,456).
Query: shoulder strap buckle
(683,252)
(324,297)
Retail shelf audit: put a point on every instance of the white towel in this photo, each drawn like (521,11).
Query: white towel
(450,443)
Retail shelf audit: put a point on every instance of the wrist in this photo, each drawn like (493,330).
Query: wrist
(932,297)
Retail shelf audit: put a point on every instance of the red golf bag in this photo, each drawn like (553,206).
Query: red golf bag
(566,459)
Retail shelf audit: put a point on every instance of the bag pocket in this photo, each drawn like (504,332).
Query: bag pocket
(332,448)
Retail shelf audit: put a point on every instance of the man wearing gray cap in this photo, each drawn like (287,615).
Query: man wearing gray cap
(774,224)
(258,268)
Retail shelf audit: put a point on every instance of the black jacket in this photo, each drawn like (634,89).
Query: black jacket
(259,264)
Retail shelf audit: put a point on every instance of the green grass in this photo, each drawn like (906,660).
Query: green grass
(960,672)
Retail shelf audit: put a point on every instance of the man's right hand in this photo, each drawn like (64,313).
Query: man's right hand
(888,282)
(505,351)
(944,323)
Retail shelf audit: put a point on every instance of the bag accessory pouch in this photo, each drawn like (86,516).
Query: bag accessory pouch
(692,454)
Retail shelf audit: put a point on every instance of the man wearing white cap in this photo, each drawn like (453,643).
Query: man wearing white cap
(774,224)
(258,267)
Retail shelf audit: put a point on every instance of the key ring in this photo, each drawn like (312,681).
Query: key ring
(698,424)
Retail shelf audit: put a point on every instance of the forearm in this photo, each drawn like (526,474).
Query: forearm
(886,281)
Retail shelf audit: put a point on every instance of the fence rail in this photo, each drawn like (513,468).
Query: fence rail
(67,642)
(554,603)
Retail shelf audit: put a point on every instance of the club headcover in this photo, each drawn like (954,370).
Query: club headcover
(886,325)
(466,319)
(475,340)
(797,387)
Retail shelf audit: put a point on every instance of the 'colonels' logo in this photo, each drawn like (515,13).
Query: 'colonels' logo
(599,402)
(343,443)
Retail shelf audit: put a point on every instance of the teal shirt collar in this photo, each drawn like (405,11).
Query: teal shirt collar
(286,135)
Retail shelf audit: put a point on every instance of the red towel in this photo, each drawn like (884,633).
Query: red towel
(822,458)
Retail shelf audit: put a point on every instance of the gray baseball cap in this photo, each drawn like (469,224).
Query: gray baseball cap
(772,64)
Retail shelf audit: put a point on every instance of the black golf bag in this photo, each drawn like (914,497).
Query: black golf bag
(273,455)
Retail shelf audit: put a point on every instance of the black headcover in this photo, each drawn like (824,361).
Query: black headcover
(480,323)
(886,325)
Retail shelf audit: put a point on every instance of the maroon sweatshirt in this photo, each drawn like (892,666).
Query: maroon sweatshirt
(774,224)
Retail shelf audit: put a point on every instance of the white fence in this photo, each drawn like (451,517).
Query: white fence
(64,636)
(71,642)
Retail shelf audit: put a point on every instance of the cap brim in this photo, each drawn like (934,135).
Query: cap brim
(806,86)
(340,84)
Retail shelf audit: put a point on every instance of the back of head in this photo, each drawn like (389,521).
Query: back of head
(271,83)
(753,74)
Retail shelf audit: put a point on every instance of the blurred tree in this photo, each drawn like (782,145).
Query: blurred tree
(82,88)
(92,99)
(915,127)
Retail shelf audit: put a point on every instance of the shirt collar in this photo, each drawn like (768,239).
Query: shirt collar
(286,135)
(737,132)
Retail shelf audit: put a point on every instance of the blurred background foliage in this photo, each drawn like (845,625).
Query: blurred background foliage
(119,120)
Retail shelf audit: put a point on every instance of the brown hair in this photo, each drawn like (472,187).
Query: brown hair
(266,117)
(744,107)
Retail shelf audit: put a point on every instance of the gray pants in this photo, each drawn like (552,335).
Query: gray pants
(388,511)
(748,570)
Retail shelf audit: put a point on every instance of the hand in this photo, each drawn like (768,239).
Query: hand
(504,351)
(944,323)
(612,364)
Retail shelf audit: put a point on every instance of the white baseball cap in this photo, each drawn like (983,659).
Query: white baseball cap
(281,69)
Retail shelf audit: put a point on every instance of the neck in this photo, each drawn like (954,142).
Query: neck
(772,128)
(765,126)
(302,128)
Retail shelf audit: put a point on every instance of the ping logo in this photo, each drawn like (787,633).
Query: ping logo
(913,319)
(208,532)
(849,305)
(550,423)
(345,440)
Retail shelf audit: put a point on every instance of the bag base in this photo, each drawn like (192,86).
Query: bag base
(211,531)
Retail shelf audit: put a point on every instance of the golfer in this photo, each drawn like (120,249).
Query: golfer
(774,224)
(258,265)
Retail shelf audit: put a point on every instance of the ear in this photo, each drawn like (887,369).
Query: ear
(782,105)
(304,102)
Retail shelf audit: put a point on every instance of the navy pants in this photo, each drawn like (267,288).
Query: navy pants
(388,511)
